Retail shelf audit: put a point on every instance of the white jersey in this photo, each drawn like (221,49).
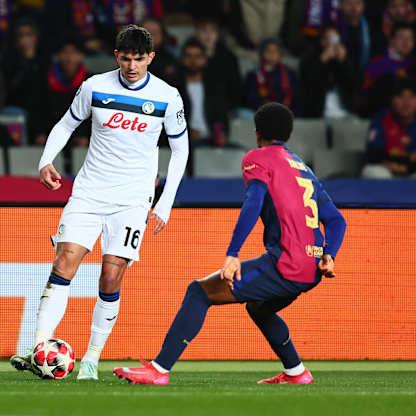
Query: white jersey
(121,163)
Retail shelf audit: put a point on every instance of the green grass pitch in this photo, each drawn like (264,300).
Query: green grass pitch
(219,388)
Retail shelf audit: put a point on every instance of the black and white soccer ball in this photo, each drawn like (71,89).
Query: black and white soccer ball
(54,358)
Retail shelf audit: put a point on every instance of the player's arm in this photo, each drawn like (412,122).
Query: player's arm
(249,214)
(79,110)
(334,225)
(175,127)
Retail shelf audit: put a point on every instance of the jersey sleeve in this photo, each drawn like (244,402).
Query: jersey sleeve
(80,108)
(254,168)
(175,123)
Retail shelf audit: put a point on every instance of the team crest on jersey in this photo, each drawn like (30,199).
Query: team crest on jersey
(148,107)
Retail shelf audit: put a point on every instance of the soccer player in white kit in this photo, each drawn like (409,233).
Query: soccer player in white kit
(113,192)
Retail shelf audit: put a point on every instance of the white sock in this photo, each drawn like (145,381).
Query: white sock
(51,310)
(159,368)
(103,320)
(295,371)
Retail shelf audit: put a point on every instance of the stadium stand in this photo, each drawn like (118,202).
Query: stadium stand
(308,135)
(334,163)
(242,133)
(24,161)
(349,133)
(2,163)
(78,157)
(218,163)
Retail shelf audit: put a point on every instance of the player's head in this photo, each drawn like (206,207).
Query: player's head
(273,121)
(134,52)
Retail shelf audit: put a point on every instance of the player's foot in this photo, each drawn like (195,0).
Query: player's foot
(283,378)
(147,374)
(24,363)
(88,371)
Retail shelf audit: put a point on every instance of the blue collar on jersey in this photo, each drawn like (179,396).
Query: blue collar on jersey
(137,88)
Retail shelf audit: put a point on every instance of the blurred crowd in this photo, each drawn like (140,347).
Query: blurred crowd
(322,58)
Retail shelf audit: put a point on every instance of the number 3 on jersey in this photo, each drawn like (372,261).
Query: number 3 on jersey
(311,222)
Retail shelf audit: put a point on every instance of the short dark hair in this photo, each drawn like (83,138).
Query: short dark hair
(401,26)
(193,43)
(72,40)
(274,121)
(403,84)
(134,39)
(265,43)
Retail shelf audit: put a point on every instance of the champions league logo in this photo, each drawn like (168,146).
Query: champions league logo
(148,107)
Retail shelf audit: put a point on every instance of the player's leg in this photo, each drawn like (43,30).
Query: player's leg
(105,314)
(276,332)
(199,297)
(54,298)
(120,241)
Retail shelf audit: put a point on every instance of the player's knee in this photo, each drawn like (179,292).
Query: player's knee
(195,291)
(256,311)
(64,265)
(110,282)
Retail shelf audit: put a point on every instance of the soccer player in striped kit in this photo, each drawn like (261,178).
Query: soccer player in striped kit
(292,204)
(113,192)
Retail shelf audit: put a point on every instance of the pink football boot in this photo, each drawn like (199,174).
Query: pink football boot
(147,374)
(283,378)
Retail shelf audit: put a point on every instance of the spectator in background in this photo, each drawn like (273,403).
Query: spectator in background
(5,19)
(222,63)
(89,18)
(311,16)
(326,77)
(165,64)
(272,81)
(204,97)
(5,139)
(391,147)
(262,19)
(24,69)
(355,35)
(64,78)
(397,11)
(397,61)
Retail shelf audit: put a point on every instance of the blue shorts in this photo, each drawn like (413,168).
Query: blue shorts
(261,281)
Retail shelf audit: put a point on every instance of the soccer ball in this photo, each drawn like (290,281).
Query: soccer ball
(54,358)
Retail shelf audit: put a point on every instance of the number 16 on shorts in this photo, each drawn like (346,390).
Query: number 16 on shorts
(126,229)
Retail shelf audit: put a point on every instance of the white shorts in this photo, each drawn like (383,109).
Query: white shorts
(121,231)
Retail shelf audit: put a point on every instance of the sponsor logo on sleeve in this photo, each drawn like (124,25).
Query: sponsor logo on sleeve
(249,167)
(180,116)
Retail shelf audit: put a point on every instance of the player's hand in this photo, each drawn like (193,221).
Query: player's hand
(231,270)
(160,224)
(50,177)
(326,266)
